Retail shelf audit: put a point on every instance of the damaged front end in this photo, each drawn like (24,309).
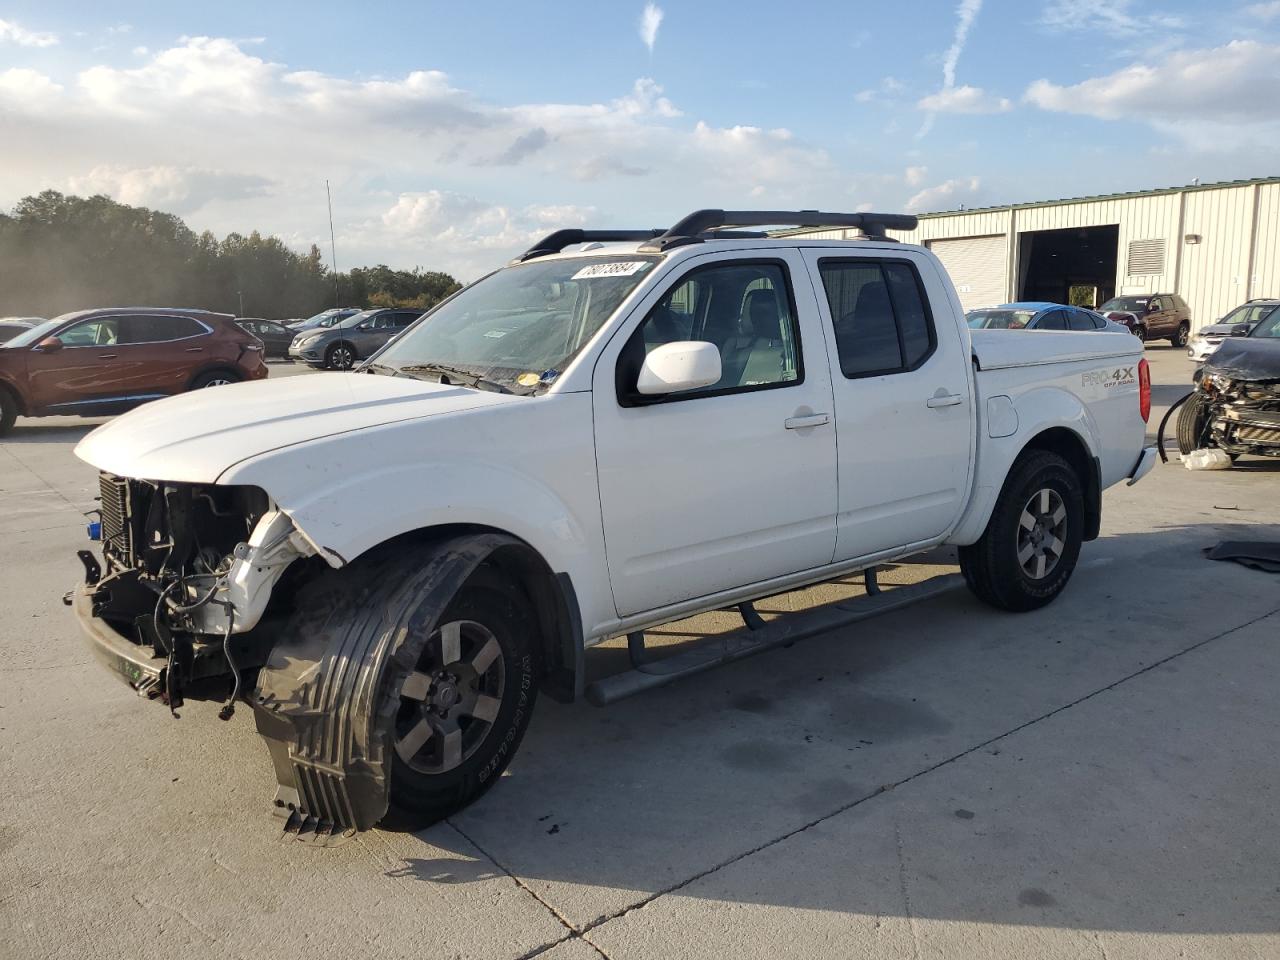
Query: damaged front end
(182,602)
(1235,407)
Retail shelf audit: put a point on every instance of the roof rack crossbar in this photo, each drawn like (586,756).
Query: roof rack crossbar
(700,222)
(555,242)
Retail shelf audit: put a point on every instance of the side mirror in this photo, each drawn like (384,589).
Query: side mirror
(1240,330)
(683,365)
(49,345)
(1151,308)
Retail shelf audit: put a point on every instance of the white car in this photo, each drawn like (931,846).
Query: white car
(617,430)
(1237,323)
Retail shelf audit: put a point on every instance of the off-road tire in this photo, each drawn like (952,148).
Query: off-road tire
(991,567)
(1193,417)
(8,411)
(211,378)
(492,600)
(1181,335)
(331,357)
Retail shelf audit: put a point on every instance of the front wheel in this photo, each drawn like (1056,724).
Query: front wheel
(462,712)
(1193,417)
(1140,332)
(1182,335)
(340,357)
(1029,549)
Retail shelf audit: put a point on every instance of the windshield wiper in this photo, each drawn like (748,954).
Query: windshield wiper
(452,375)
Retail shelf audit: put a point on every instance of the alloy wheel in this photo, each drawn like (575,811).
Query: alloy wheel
(450,703)
(1042,533)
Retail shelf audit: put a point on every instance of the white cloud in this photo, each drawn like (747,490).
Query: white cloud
(966,13)
(1234,83)
(1265,12)
(914,176)
(884,90)
(650,21)
(1113,17)
(11,32)
(944,195)
(964,99)
(180,190)
(26,90)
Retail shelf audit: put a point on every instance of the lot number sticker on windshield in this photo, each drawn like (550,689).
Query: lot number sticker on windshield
(623,269)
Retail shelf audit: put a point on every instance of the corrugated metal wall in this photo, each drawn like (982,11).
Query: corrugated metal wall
(1213,275)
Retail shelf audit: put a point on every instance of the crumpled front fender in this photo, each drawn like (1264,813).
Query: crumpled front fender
(321,703)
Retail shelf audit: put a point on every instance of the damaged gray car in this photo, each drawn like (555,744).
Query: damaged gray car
(1236,404)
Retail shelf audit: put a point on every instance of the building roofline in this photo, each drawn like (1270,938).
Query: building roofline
(1162,191)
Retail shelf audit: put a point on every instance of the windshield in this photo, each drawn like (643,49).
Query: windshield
(524,322)
(1249,313)
(352,320)
(998,319)
(35,334)
(1269,327)
(1128,304)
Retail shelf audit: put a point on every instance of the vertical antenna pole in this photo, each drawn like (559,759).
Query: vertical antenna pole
(333,244)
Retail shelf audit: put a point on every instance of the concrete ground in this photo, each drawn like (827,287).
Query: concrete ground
(1099,778)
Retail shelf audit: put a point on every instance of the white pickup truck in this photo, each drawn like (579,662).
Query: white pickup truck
(616,430)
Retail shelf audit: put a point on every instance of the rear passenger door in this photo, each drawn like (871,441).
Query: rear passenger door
(904,412)
(162,353)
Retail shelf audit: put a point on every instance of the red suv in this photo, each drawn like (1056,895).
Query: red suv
(99,362)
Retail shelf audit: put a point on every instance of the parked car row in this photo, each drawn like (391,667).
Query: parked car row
(1238,323)
(342,344)
(10,327)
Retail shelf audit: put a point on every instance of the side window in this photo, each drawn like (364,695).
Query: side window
(1155,304)
(403,320)
(1053,320)
(156,329)
(1079,320)
(744,308)
(882,324)
(92,333)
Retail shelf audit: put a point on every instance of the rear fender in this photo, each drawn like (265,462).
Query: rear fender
(1047,416)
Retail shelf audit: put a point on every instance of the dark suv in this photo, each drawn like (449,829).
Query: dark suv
(1155,316)
(100,362)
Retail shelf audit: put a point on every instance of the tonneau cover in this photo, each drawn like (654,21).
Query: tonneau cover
(1001,349)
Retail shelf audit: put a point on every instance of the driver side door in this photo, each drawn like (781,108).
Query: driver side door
(86,370)
(711,489)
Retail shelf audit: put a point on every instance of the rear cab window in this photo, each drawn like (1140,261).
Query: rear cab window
(880,314)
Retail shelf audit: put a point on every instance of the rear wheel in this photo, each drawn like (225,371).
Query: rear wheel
(214,378)
(1193,417)
(341,356)
(1182,335)
(1029,549)
(8,411)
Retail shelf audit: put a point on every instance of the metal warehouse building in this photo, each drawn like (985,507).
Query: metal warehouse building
(1216,244)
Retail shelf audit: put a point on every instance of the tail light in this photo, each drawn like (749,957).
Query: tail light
(1144,389)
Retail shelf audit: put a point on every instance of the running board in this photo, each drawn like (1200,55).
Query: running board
(709,652)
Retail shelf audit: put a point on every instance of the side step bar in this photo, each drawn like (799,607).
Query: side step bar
(700,655)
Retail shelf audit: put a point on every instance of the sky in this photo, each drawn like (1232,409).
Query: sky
(453,134)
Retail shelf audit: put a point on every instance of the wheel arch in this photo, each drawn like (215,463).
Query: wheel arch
(14,394)
(1069,445)
(217,366)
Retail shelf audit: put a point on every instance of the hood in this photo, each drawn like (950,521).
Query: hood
(1246,358)
(1217,330)
(195,437)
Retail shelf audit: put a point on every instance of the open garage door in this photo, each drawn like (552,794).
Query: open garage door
(978,267)
(1076,265)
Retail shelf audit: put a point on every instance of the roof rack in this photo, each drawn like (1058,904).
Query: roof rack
(710,225)
(700,224)
(555,242)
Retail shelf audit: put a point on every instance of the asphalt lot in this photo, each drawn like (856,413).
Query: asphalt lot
(1099,778)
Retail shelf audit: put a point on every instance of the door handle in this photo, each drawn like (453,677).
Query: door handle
(812,420)
(944,400)
(107,356)
(195,350)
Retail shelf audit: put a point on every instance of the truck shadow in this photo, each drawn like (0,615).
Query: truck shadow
(1064,768)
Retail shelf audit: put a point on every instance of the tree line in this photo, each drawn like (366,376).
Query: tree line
(60,253)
